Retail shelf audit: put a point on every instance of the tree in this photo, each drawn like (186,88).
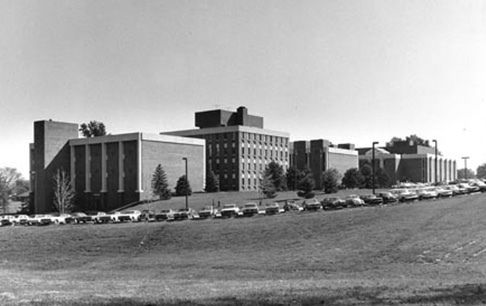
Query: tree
(212,182)
(481,171)
(276,173)
(352,178)
(8,186)
(306,184)
(183,187)
(465,173)
(416,139)
(367,174)
(160,187)
(63,192)
(93,129)
(293,175)
(382,178)
(330,180)
(267,186)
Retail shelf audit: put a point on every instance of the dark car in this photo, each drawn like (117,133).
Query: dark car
(81,217)
(272,208)
(207,212)
(250,209)
(333,203)
(371,199)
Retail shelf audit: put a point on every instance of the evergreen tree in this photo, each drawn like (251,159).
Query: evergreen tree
(160,187)
(381,178)
(330,180)
(306,184)
(212,182)
(293,176)
(276,173)
(352,178)
(183,187)
(367,174)
(267,186)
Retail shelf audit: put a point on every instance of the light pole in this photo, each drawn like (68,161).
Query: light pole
(465,166)
(435,141)
(373,166)
(187,182)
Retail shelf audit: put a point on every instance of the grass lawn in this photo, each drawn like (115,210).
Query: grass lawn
(423,253)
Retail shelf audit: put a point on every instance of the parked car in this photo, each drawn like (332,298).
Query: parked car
(147,215)
(81,217)
(443,193)
(456,190)
(478,183)
(387,197)
(184,214)
(39,220)
(272,208)
(354,200)
(470,188)
(207,212)
(130,215)
(426,193)
(96,216)
(371,199)
(5,221)
(291,205)
(106,218)
(165,215)
(229,210)
(58,218)
(20,219)
(249,209)
(333,203)
(404,195)
(311,204)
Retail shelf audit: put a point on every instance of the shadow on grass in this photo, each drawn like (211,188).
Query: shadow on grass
(469,294)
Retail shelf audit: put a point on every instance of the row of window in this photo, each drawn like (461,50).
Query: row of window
(249,137)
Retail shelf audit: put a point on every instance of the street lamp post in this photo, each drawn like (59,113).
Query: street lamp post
(373,166)
(435,141)
(465,166)
(187,183)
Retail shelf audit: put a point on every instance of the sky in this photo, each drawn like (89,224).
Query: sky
(350,71)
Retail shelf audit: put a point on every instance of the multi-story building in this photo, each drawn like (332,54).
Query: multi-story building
(320,155)
(407,161)
(109,171)
(238,148)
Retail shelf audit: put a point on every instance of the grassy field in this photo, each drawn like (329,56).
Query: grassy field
(424,253)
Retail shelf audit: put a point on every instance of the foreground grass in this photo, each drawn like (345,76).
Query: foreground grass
(426,253)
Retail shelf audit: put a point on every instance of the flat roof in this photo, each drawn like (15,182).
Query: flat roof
(136,136)
(226,129)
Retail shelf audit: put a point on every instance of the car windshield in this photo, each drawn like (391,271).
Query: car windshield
(229,205)
(250,205)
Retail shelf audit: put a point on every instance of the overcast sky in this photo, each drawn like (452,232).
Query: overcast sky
(350,71)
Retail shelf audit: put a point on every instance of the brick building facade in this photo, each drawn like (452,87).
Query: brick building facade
(238,148)
(110,171)
(320,155)
(407,161)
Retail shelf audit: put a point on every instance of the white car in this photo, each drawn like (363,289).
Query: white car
(20,219)
(96,216)
(354,200)
(229,210)
(61,218)
(128,215)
